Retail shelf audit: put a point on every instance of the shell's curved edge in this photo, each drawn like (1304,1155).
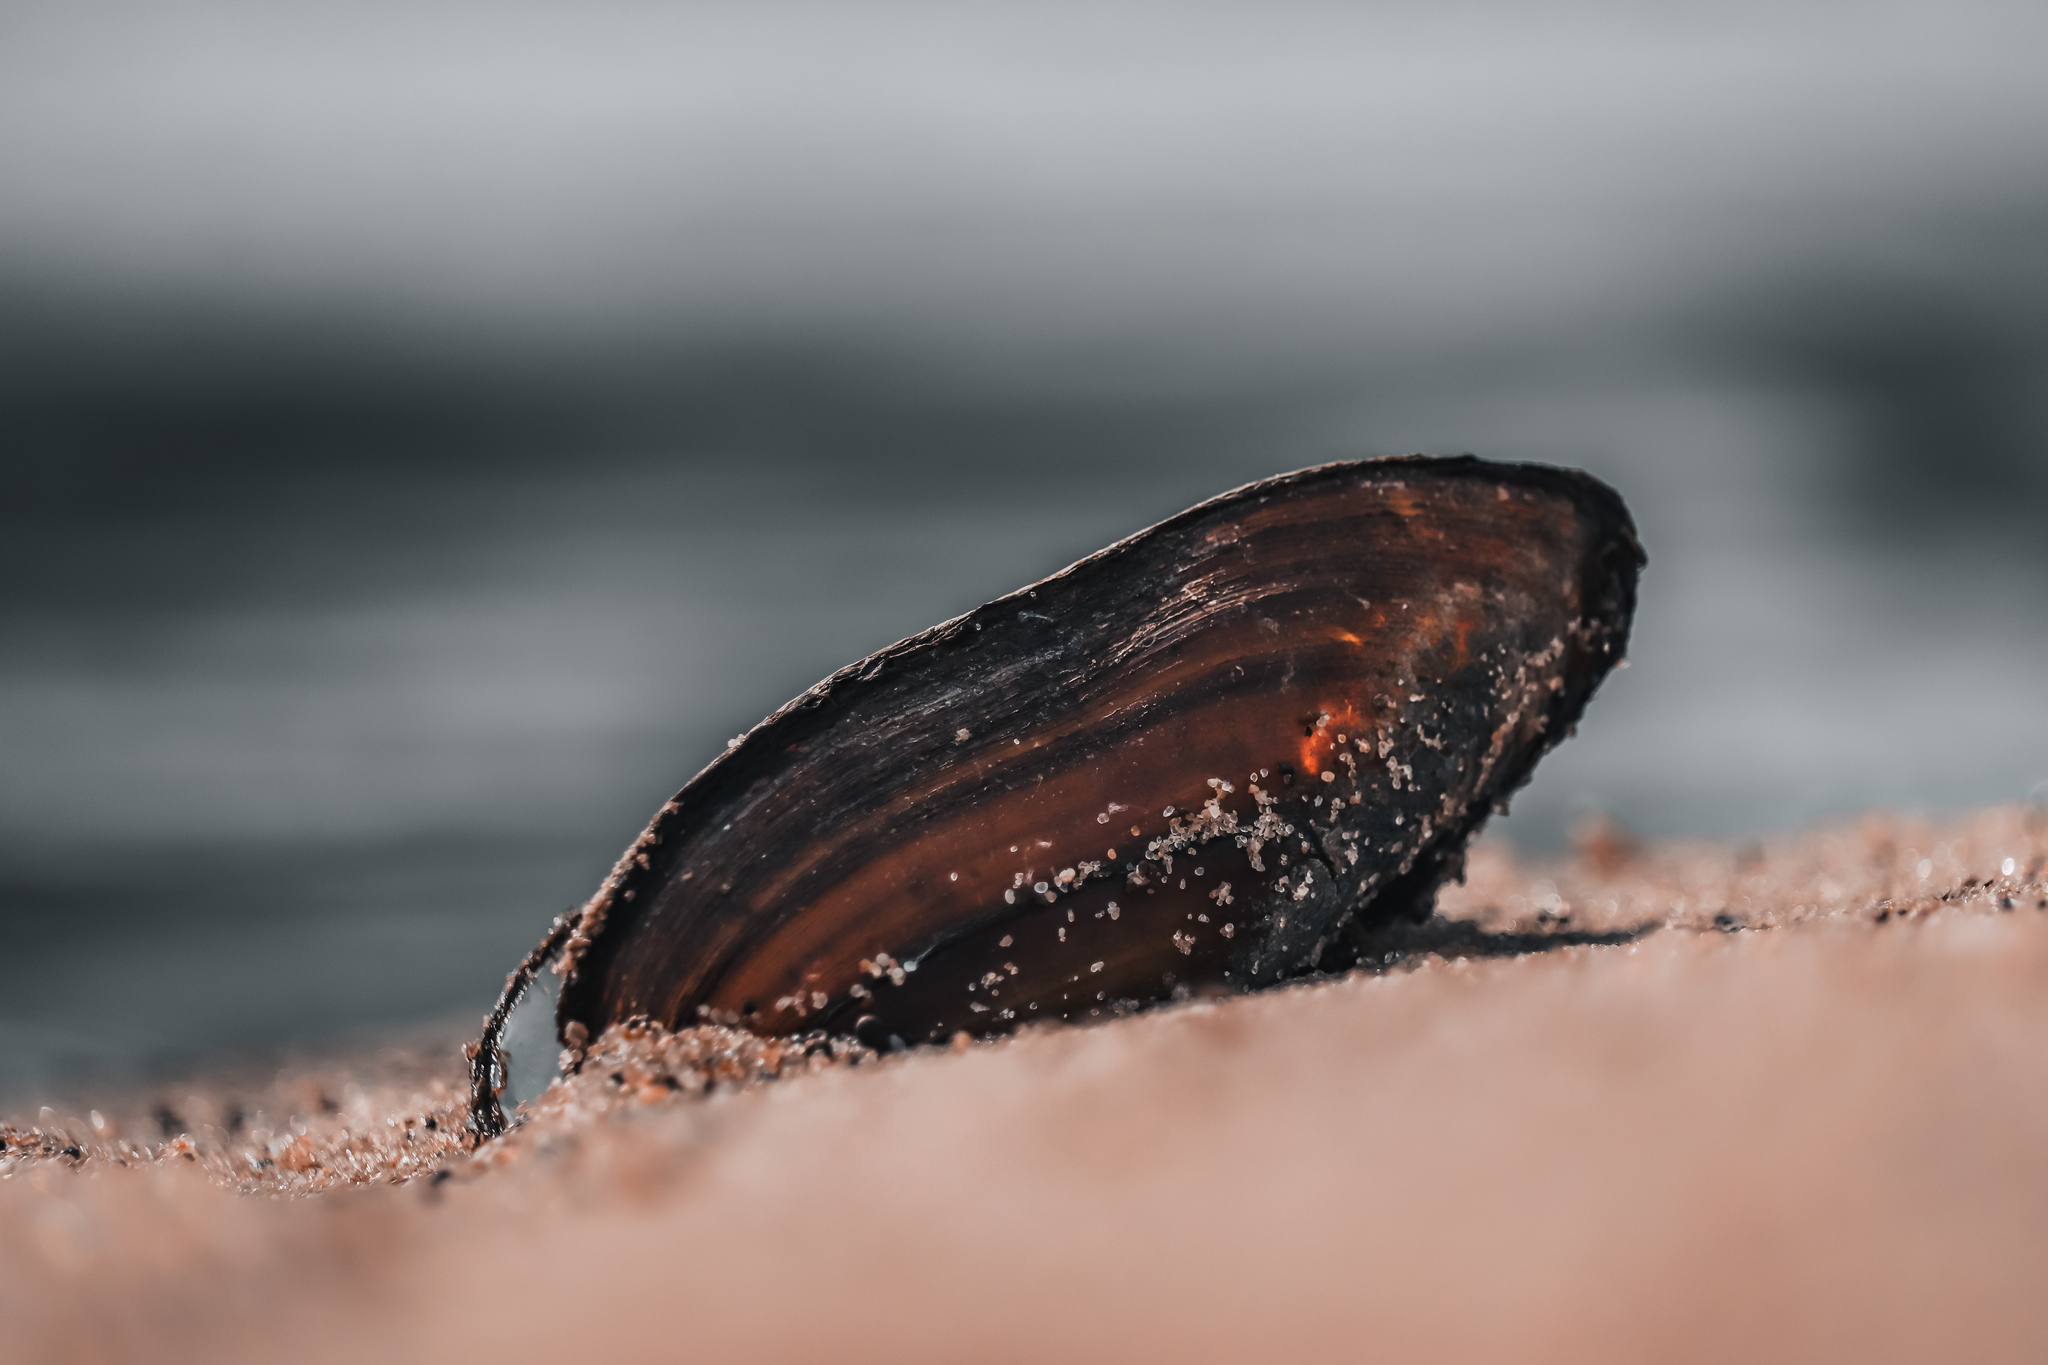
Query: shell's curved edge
(1171,634)
(486,1057)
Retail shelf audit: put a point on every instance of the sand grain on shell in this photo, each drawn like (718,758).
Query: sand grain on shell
(1779,1100)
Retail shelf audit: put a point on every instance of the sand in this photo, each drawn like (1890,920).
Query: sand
(1778,1100)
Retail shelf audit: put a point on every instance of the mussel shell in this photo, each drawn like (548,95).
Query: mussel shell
(1211,756)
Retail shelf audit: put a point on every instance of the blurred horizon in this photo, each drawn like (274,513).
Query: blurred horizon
(432,430)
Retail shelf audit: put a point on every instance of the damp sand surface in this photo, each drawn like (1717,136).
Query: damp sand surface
(1785,1099)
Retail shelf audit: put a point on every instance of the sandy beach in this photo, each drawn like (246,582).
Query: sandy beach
(1781,1099)
(435,432)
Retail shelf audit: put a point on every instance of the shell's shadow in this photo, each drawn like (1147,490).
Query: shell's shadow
(1398,944)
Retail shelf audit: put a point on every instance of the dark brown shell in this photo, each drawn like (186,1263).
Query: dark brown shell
(1211,756)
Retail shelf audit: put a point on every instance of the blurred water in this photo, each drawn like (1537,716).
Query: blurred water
(431,431)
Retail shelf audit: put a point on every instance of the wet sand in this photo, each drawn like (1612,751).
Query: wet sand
(1780,1100)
